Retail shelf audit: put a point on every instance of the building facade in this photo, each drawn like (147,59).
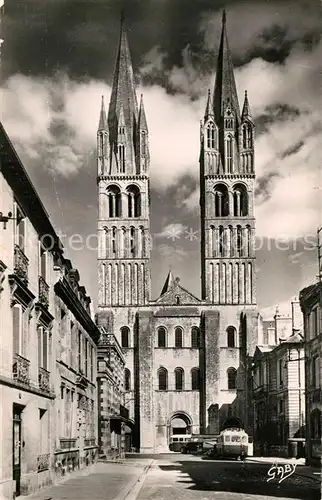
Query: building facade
(115,428)
(185,357)
(47,388)
(278,371)
(311,305)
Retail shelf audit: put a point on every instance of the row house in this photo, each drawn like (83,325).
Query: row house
(114,389)
(311,305)
(48,344)
(278,373)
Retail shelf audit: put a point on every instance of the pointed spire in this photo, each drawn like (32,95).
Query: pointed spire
(209,107)
(225,86)
(169,282)
(103,121)
(123,88)
(142,124)
(246,109)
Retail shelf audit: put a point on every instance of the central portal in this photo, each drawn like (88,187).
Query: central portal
(180,424)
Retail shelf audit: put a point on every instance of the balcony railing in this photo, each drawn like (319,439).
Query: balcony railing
(89,442)
(20,369)
(43,379)
(43,462)
(21,263)
(67,444)
(43,292)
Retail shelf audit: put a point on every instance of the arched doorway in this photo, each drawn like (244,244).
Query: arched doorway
(180,423)
(232,422)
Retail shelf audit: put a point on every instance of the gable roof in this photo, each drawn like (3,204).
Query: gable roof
(174,294)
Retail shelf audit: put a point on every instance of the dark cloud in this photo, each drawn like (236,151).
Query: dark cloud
(80,36)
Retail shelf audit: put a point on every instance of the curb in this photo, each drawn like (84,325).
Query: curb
(131,491)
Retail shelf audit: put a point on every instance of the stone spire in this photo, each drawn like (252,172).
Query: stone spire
(123,89)
(169,282)
(103,120)
(225,87)
(246,114)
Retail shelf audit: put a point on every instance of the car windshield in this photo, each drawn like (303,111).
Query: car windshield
(235,439)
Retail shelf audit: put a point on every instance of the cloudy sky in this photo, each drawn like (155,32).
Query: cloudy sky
(58,59)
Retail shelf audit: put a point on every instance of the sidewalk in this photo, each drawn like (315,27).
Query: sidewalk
(301,469)
(104,481)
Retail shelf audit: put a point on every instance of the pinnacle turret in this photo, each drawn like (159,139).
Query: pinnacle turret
(225,92)
(142,123)
(103,120)
(209,112)
(246,114)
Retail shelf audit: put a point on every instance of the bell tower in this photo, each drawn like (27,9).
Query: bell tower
(227,180)
(123,189)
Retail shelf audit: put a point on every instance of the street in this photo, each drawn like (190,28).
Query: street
(175,476)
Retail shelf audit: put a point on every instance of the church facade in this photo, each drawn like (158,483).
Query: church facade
(186,357)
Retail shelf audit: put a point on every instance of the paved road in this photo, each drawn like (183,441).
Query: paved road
(186,477)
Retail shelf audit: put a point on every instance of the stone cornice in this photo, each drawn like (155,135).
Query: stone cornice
(122,177)
(229,176)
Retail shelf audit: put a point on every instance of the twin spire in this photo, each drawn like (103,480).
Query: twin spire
(125,122)
(225,91)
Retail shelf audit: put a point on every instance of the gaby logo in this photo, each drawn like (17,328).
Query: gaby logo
(280,472)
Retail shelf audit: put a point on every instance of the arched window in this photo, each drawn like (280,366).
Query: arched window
(179,379)
(239,243)
(195,337)
(177,300)
(114,201)
(125,336)
(221,241)
(178,338)
(113,241)
(229,154)
(163,379)
(240,199)
(232,378)
(127,379)
(134,201)
(247,136)
(210,136)
(162,337)
(122,158)
(231,336)
(221,201)
(132,240)
(195,379)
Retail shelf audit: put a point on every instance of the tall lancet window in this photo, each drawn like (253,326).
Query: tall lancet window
(210,136)
(229,154)
(132,240)
(247,136)
(122,158)
(113,240)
